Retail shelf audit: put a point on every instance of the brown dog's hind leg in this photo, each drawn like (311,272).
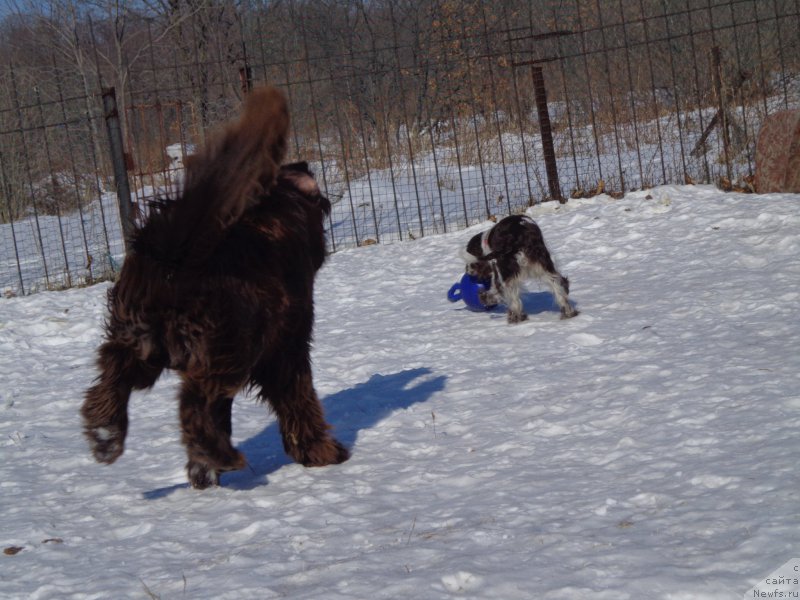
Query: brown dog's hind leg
(105,407)
(205,419)
(305,433)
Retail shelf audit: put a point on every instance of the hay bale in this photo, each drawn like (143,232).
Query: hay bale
(778,153)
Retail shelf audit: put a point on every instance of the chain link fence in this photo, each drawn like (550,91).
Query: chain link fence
(418,117)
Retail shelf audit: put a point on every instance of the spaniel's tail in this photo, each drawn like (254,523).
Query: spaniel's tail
(221,182)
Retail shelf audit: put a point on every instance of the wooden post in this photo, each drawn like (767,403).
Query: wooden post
(246,79)
(716,74)
(540,93)
(126,209)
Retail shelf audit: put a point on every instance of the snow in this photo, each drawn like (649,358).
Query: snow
(645,449)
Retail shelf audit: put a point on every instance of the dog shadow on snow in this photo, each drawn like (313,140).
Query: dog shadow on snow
(348,411)
(534,303)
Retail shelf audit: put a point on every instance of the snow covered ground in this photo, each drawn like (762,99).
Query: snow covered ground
(646,449)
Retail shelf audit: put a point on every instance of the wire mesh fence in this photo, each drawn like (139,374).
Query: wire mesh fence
(57,226)
(418,117)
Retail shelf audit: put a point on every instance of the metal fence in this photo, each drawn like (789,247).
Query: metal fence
(418,117)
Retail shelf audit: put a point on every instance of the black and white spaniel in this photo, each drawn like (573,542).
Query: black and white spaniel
(510,252)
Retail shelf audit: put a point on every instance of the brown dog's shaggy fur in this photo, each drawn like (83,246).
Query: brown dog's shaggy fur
(218,286)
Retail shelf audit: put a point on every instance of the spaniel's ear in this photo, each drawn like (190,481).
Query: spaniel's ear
(474,246)
(467,257)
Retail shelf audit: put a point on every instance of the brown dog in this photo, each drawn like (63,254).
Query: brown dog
(218,286)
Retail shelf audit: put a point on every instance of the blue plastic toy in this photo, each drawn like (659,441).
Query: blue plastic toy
(469,290)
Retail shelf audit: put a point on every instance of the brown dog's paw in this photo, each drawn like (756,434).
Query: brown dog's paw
(327,451)
(201,476)
(517,318)
(107,443)
(233,460)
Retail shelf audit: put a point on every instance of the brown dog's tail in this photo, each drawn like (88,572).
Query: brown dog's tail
(221,182)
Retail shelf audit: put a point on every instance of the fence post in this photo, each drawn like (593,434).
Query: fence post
(540,93)
(716,74)
(126,209)
(246,79)
(5,191)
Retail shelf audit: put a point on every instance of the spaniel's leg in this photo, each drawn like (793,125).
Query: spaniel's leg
(560,287)
(506,280)
(557,282)
(539,263)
